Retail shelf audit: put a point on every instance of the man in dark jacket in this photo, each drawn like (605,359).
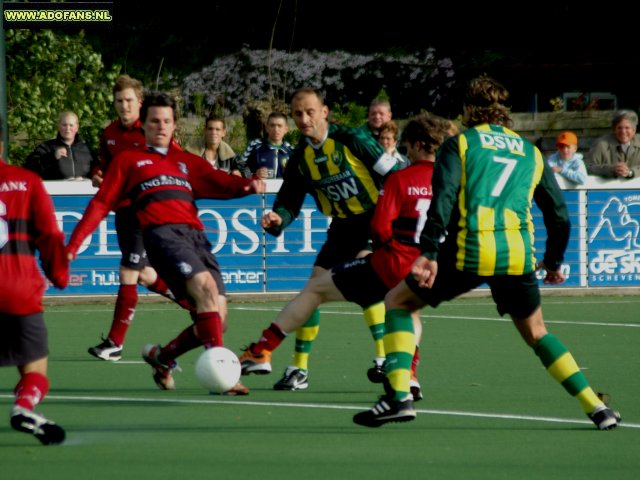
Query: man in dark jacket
(65,157)
(266,157)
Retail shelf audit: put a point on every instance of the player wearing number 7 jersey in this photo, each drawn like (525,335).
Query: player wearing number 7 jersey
(483,184)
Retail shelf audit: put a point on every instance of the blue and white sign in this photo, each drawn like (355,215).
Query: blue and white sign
(613,232)
(571,266)
(603,250)
(250,259)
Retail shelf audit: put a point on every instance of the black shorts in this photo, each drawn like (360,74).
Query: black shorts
(23,339)
(346,237)
(516,295)
(359,283)
(178,252)
(130,239)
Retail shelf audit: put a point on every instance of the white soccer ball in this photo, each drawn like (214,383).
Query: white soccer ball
(218,369)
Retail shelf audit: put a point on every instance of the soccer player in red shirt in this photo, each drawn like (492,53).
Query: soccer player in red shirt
(27,224)
(163,183)
(397,222)
(126,133)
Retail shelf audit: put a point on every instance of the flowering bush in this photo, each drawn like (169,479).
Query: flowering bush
(413,82)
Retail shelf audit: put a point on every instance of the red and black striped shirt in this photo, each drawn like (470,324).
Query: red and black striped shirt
(27,224)
(162,189)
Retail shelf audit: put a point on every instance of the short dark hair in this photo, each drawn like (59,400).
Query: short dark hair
(215,118)
(274,114)
(157,99)
(308,91)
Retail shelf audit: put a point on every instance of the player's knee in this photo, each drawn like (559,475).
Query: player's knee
(202,286)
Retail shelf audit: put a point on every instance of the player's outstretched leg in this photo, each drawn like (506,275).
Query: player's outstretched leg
(561,365)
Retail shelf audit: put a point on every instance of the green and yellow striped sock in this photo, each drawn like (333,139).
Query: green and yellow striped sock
(399,344)
(563,368)
(374,317)
(305,336)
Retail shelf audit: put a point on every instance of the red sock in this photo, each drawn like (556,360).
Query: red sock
(415,360)
(186,304)
(160,287)
(183,343)
(209,329)
(123,313)
(271,339)
(30,390)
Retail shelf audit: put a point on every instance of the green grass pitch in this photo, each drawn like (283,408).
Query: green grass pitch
(490,410)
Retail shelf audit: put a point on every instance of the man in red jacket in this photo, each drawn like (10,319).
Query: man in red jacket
(163,183)
(27,224)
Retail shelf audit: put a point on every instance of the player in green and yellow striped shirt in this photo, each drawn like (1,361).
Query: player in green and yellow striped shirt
(483,184)
(342,169)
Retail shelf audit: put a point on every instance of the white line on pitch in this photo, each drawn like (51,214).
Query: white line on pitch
(216,401)
(460,317)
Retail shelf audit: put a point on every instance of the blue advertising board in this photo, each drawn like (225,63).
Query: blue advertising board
(95,271)
(572,265)
(613,237)
(603,250)
(251,261)
(289,257)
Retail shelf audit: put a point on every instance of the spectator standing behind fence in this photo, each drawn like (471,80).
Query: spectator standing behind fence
(216,151)
(617,154)
(379,113)
(567,162)
(65,157)
(389,140)
(267,157)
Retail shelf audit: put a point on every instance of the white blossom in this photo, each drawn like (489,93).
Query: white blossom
(233,80)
